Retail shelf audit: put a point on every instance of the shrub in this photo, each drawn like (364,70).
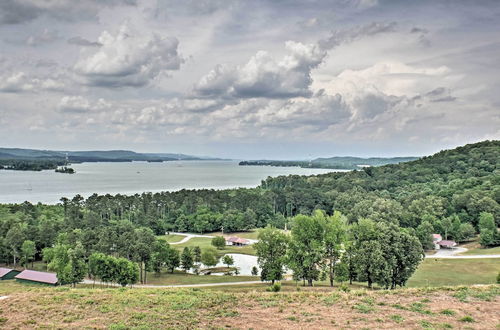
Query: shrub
(448,312)
(276,287)
(498,278)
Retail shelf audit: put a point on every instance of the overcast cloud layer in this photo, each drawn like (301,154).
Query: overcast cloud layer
(250,79)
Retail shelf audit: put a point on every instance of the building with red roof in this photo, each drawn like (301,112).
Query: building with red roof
(8,273)
(32,276)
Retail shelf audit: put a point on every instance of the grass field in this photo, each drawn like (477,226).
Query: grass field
(115,308)
(179,277)
(204,242)
(172,238)
(440,272)
(251,234)
(495,250)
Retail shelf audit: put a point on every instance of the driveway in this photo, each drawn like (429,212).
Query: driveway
(175,286)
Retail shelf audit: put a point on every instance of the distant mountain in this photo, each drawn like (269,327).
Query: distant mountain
(93,156)
(348,163)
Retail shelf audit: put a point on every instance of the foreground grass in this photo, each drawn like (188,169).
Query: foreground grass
(441,272)
(36,307)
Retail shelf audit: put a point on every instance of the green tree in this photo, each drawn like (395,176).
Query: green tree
(14,240)
(335,236)
(209,257)
(197,254)
(173,259)
(255,271)
(228,260)
(126,272)
(28,251)
(424,233)
(486,221)
(219,242)
(186,259)
(271,252)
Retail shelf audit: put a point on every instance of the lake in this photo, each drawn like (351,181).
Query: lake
(135,177)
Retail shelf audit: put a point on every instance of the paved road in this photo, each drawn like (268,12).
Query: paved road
(187,237)
(178,285)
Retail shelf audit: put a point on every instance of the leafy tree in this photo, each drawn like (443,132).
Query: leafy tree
(144,240)
(486,221)
(424,233)
(271,251)
(209,257)
(197,254)
(172,260)
(255,271)
(28,251)
(126,272)
(186,259)
(14,239)
(228,260)
(219,242)
(335,235)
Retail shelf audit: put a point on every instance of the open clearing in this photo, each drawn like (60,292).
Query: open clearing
(35,306)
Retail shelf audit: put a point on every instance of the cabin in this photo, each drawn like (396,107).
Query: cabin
(236,241)
(8,273)
(436,238)
(34,277)
(447,244)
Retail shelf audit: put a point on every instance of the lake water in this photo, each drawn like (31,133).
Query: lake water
(135,177)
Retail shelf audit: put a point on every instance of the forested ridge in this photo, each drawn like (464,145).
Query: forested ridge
(445,193)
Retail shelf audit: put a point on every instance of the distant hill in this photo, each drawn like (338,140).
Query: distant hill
(348,163)
(92,156)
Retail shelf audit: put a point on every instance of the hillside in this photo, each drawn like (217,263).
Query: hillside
(347,163)
(91,156)
(29,307)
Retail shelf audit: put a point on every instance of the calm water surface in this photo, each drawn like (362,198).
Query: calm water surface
(135,177)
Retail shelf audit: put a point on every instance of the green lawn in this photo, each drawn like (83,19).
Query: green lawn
(179,277)
(204,242)
(445,272)
(495,250)
(251,234)
(172,238)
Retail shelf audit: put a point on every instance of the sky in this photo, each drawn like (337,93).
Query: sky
(254,79)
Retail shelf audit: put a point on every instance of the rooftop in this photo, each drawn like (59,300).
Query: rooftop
(32,275)
(4,271)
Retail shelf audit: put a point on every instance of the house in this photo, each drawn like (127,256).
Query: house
(7,273)
(34,277)
(436,238)
(447,244)
(236,241)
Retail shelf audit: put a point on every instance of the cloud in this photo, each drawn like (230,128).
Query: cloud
(129,59)
(46,36)
(79,104)
(264,76)
(339,37)
(21,11)
(79,41)
(19,82)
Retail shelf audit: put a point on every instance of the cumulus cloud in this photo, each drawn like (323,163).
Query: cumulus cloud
(19,82)
(265,76)
(129,59)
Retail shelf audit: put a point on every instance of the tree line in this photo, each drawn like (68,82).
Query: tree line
(324,247)
(448,193)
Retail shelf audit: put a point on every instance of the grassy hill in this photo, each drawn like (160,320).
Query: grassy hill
(36,307)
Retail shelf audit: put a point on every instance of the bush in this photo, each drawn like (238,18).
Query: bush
(276,287)
(498,278)
(467,319)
